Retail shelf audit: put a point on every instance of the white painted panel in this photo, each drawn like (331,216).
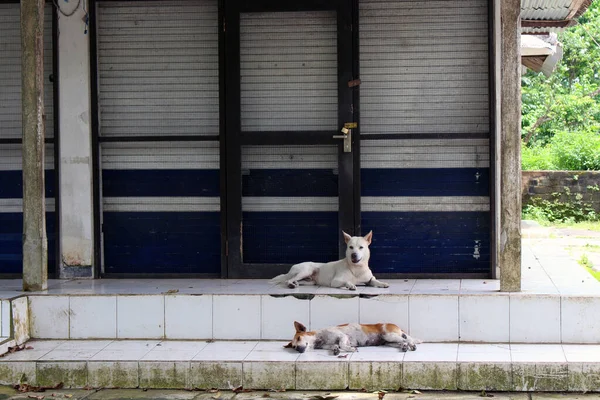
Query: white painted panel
(422,76)
(158,68)
(289,157)
(288,63)
(160,155)
(10,71)
(425,153)
(161,204)
(425,203)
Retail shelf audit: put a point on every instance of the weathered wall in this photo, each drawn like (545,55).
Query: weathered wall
(544,184)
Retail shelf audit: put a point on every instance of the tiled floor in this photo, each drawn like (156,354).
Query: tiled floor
(547,268)
(169,350)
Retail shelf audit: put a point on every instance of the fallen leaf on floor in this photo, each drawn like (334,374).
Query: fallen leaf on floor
(343,356)
(31,396)
(171,291)
(266,395)
(328,396)
(213,390)
(416,392)
(68,396)
(381,395)
(240,389)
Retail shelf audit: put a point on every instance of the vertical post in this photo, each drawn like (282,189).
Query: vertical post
(75,206)
(35,243)
(509,257)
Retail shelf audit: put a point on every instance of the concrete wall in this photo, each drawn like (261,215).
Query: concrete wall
(543,184)
(75,148)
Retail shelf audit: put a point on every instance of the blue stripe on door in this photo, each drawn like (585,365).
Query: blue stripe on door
(162,242)
(160,183)
(429,242)
(290,183)
(11,242)
(11,184)
(290,237)
(425,182)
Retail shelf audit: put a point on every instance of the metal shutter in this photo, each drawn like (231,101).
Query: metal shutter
(158,68)
(425,188)
(288,71)
(158,78)
(420,75)
(11,185)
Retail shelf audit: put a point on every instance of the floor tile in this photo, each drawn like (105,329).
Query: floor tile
(582,353)
(441,352)
(70,355)
(120,355)
(493,353)
(537,353)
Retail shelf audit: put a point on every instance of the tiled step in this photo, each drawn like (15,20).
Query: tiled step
(433,311)
(267,365)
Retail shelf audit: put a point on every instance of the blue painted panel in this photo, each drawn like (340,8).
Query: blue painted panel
(11,242)
(425,182)
(429,242)
(160,182)
(290,182)
(11,184)
(290,237)
(162,242)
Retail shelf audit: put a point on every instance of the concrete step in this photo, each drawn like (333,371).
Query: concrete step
(267,365)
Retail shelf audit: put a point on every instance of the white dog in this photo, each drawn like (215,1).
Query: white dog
(347,272)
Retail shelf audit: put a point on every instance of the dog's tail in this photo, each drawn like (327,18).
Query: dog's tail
(280,278)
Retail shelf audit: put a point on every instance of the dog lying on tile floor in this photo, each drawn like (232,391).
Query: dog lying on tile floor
(348,337)
(347,272)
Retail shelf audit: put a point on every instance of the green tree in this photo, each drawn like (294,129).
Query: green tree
(568,101)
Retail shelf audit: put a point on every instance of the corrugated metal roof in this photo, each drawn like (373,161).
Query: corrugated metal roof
(545,9)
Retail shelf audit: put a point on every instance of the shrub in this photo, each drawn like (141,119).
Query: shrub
(578,150)
(536,158)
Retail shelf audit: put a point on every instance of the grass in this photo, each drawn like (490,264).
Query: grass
(584,225)
(585,262)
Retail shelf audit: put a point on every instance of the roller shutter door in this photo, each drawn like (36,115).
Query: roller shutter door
(288,73)
(158,79)
(425,123)
(11,184)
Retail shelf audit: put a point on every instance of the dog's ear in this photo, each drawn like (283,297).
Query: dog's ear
(369,237)
(299,327)
(346,237)
(288,346)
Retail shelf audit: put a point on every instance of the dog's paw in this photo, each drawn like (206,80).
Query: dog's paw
(404,348)
(385,285)
(413,347)
(351,287)
(292,284)
(336,350)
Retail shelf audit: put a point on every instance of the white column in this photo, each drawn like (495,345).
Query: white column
(75,147)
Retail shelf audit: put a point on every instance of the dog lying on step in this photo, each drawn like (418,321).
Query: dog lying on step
(348,337)
(347,272)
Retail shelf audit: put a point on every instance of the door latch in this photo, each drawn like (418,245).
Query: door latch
(347,137)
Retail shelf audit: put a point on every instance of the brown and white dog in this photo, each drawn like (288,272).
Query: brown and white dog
(347,272)
(348,337)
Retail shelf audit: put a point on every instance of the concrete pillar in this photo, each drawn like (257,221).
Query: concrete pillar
(35,242)
(509,253)
(75,148)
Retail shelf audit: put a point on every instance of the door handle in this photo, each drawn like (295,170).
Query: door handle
(347,137)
